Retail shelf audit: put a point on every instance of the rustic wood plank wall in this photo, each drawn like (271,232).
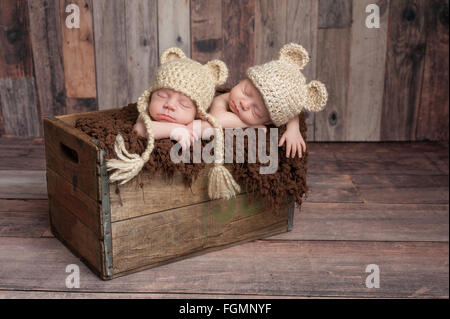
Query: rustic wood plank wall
(18,103)
(386,84)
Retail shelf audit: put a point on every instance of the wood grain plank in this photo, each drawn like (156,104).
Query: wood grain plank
(110,53)
(432,122)
(78,53)
(5,294)
(379,147)
(335,14)
(206,30)
(23,224)
(23,205)
(142,45)
(162,236)
(440,160)
(403,189)
(369,222)
(238,29)
(71,154)
(16,58)
(19,105)
(388,158)
(18,153)
(270,29)
(303,268)
(333,58)
(23,218)
(75,235)
(79,105)
(2,123)
(23,184)
(331,189)
(174,25)
(375,163)
(418,158)
(11,142)
(71,198)
(21,153)
(404,69)
(240,219)
(150,239)
(22,159)
(301,27)
(130,200)
(367,69)
(45,32)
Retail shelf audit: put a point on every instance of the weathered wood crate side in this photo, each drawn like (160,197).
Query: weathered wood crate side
(140,227)
(72,162)
(158,238)
(151,193)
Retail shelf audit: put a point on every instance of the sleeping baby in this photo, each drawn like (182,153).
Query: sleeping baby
(273,93)
(170,110)
(182,90)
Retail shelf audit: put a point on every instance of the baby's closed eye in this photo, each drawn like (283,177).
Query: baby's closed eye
(186,104)
(162,94)
(256,111)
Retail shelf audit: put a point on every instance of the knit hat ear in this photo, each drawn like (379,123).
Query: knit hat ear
(219,71)
(294,54)
(171,54)
(316,96)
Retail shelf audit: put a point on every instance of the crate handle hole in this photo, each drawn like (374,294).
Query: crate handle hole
(70,153)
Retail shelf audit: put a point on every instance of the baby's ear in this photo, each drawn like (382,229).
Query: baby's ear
(294,54)
(219,71)
(171,54)
(317,96)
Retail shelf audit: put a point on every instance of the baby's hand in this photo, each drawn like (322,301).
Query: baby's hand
(183,136)
(195,128)
(139,128)
(294,142)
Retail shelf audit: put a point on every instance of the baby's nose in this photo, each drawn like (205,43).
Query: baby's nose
(245,105)
(169,107)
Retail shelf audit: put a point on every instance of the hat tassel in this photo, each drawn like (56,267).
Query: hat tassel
(127,166)
(221,183)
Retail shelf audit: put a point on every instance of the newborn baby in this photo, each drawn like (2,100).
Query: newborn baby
(244,107)
(170,110)
(273,93)
(181,90)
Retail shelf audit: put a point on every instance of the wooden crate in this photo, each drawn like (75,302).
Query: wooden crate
(142,227)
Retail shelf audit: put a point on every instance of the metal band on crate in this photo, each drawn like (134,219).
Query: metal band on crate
(106,214)
(291,216)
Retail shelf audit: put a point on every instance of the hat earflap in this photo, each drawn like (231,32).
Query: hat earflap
(127,166)
(294,54)
(170,54)
(219,71)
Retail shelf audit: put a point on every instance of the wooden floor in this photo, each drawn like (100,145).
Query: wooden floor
(369,203)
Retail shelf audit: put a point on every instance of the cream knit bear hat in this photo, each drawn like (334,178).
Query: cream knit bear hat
(283,87)
(198,82)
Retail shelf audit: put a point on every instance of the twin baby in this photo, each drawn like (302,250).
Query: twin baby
(182,96)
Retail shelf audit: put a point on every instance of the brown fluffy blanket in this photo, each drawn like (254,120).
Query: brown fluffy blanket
(288,182)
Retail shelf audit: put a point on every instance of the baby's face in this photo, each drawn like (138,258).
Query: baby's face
(247,103)
(167,105)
